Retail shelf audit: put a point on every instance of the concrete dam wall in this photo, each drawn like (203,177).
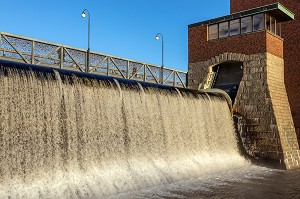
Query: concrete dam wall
(66,136)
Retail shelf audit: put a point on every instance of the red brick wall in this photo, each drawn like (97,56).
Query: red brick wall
(290,33)
(241,5)
(274,45)
(256,42)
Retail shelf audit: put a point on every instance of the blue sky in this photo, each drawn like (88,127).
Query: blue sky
(120,28)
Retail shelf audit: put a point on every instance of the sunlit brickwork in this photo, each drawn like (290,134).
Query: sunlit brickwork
(290,33)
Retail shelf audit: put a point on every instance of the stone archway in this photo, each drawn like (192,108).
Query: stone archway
(212,73)
(262,100)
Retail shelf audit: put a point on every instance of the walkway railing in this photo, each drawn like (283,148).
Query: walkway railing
(31,51)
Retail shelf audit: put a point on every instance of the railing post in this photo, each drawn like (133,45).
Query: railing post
(61,57)
(87,68)
(127,71)
(174,77)
(107,61)
(162,75)
(145,67)
(1,44)
(32,52)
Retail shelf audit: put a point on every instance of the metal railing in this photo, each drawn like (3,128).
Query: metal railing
(31,51)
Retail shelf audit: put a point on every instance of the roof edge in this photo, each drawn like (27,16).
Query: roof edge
(289,15)
(286,11)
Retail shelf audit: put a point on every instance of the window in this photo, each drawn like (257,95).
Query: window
(213,32)
(273,25)
(268,22)
(246,24)
(278,29)
(258,22)
(223,29)
(235,27)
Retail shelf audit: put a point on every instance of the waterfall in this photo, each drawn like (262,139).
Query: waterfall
(64,136)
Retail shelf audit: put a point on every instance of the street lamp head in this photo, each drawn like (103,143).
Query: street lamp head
(84,13)
(157,36)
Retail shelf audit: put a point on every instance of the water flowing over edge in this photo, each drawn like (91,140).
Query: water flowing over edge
(69,137)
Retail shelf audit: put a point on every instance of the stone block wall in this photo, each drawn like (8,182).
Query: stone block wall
(262,101)
(254,103)
(290,32)
(282,111)
(268,96)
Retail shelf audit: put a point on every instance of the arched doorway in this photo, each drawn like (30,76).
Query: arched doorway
(228,76)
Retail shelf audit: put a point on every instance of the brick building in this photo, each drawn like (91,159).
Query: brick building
(252,54)
(291,33)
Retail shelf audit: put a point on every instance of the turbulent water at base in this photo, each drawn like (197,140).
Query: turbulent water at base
(69,137)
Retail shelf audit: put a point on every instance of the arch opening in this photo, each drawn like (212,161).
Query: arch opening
(228,77)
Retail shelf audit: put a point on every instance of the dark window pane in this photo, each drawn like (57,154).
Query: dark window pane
(258,22)
(268,22)
(213,31)
(235,27)
(223,29)
(246,24)
(278,29)
(273,23)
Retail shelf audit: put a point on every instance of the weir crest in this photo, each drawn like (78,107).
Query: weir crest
(65,136)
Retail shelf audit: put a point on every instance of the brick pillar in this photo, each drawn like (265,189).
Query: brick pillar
(282,111)
(262,101)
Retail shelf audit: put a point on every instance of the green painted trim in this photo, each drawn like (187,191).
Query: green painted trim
(288,15)
(286,11)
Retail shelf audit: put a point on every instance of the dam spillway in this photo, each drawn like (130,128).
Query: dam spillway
(66,135)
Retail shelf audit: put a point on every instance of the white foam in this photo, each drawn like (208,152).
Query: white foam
(86,140)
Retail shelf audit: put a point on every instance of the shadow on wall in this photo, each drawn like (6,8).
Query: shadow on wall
(247,147)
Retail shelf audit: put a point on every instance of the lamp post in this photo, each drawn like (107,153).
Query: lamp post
(83,14)
(162,57)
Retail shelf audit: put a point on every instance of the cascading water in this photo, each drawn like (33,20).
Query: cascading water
(62,136)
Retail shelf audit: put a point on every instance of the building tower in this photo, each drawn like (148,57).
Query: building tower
(244,54)
(290,31)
